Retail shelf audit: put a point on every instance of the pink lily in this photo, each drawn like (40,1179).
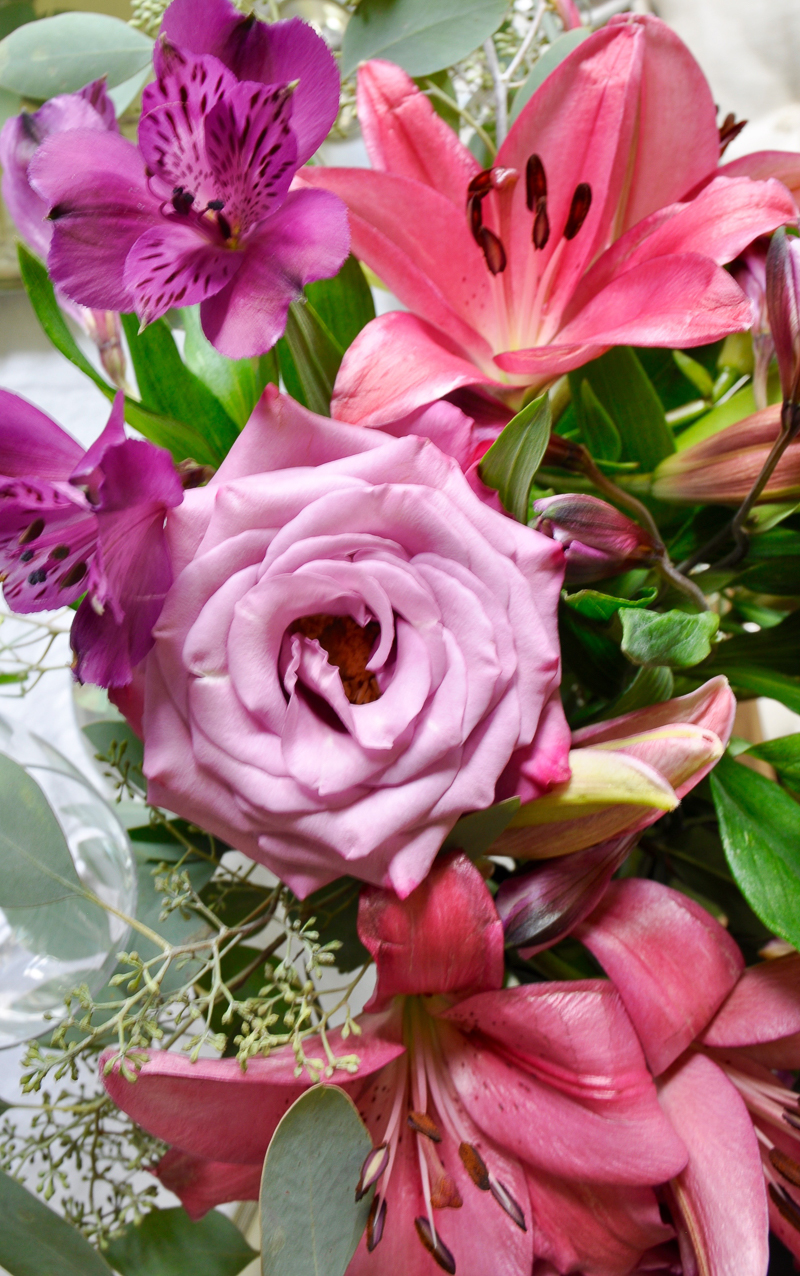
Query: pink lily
(625,774)
(510,1126)
(714,1036)
(602,222)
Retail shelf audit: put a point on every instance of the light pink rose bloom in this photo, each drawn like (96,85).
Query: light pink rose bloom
(319,545)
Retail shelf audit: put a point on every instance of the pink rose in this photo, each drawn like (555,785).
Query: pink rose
(353,648)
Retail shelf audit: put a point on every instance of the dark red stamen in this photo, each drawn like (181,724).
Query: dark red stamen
(224,226)
(728,130)
(481,184)
(435,1245)
(784,1205)
(535,182)
(578,209)
(376,1223)
(493,250)
(475,216)
(786,1166)
(541,225)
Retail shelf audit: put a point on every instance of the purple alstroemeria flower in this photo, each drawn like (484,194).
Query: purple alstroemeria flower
(75,523)
(20,138)
(201,211)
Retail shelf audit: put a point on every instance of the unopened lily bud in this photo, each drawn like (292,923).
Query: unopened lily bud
(625,774)
(750,273)
(783,305)
(721,469)
(105,330)
(598,540)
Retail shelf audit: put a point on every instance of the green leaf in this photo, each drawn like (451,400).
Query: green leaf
(236,383)
(61,54)
(310,1222)
(35,1241)
(35,864)
(676,639)
(603,607)
(313,360)
(591,653)
(760,829)
(599,431)
(776,650)
(699,376)
(783,754)
(181,440)
(515,456)
(169,388)
(650,686)
(344,304)
(474,833)
(419,36)
(168,1243)
(625,391)
(553,55)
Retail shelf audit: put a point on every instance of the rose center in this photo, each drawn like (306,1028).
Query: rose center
(349,647)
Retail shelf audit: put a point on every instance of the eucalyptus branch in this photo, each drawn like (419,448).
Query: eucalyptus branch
(530,36)
(500,91)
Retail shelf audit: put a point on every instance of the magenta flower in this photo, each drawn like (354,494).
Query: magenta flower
(201,211)
(511,1127)
(20,138)
(591,230)
(352,650)
(75,523)
(719,1041)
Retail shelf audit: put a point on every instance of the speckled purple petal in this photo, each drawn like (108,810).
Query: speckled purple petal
(48,534)
(252,151)
(175,264)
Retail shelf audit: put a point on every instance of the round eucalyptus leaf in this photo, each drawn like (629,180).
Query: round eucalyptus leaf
(61,54)
(419,36)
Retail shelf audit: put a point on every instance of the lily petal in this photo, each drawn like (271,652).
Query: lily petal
(671,961)
(201,1184)
(763,1007)
(720,1193)
(412,941)
(711,706)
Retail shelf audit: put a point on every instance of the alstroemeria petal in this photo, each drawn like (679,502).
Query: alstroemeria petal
(404,135)
(721,1192)
(424,366)
(201,1184)
(306,239)
(213,1109)
(32,444)
(565,1087)
(271,53)
(174,111)
(763,1007)
(711,706)
(252,151)
(671,961)
(100,202)
(175,264)
(411,940)
(48,536)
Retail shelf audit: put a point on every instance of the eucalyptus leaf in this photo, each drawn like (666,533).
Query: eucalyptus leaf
(625,391)
(676,639)
(552,57)
(169,1243)
(310,1221)
(35,1241)
(35,864)
(126,92)
(61,54)
(760,829)
(474,833)
(419,36)
(513,459)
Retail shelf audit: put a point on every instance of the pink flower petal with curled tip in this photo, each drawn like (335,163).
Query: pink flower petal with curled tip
(720,1194)
(100,203)
(784,166)
(712,707)
(671,962)
(213,1109)
(404,135)
(32,444)
(305,240)
(201,1184)
(564,1085)
(412,942)
(274,53)
(763,1007)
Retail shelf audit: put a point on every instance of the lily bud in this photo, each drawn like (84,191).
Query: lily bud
(750,273)
(625,774)
(783,305)
(598,540)
(721,469)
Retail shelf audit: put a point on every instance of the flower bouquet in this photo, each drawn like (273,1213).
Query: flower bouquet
(460,924)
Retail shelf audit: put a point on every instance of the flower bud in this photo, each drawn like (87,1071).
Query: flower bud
(721,469)
(750,273)
(783,305)
(598,540)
